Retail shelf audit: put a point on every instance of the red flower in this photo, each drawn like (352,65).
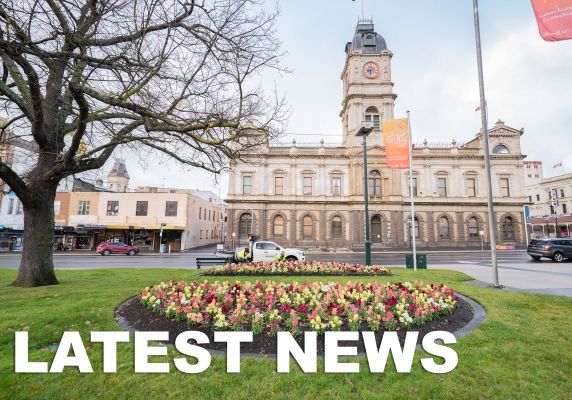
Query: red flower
(302,308)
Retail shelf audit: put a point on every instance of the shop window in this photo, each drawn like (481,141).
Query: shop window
(508,229)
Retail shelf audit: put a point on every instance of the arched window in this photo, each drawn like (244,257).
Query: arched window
(336,228)
(369,40)
(278,226)
(500,149)
(307,227)
(473,227)
(508,229)
(376,229)
(374,183)
(444,232)
(372,115)
(416,228)
(244,225)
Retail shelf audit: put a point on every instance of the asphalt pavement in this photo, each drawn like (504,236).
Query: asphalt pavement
(517,270)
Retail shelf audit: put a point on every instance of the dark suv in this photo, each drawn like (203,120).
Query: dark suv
(555,248)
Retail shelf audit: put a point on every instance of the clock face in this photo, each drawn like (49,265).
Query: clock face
(371,70)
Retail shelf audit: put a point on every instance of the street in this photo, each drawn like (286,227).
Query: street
(516,269)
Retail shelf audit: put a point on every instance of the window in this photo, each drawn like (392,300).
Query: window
(530,199)
(307,186)
(278,225)
(537,197)
(279,185)
(10,206)
(57,207)
(336,228)
(471,187)
(444,228)
(112,207)
(337,186)
(508,229)
(201,234)
(564,209)
(500,149)
(369,40)
(83,207)
(247,184)
(205,213)
(504,187)
(141,208)
(414,186)
(536,175)
(171,209)
(372,115)
(552,210)
(442,187)
(244,225)
(200,211)
(473,227)
(374,183)
(307,227)
(18,207)
(561,192)
(416,228)
(530,175)
(209,215)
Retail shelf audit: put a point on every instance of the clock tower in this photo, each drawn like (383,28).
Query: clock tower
(368,89)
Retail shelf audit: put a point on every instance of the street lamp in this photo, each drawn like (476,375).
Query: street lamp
(365,130)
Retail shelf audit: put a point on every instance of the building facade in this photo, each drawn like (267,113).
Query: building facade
(312,196)
(550,205)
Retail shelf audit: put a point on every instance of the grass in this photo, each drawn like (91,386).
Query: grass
(522,350)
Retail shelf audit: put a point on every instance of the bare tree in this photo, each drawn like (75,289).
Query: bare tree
(80,78)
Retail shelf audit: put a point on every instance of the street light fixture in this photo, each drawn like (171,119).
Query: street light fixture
(365,130)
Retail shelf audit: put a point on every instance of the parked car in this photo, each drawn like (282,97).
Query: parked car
(557,249)
(108,248)
(266,251)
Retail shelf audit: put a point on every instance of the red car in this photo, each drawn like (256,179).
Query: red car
(108,248)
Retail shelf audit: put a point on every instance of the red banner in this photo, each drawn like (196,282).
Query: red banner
(396,140)
(554,19)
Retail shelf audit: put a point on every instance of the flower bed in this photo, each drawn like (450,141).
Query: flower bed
(297,268)
(271,307)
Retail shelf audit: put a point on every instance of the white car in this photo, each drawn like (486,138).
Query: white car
(267,251)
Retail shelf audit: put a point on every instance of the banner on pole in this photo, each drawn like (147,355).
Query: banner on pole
(396,140)
(554,19)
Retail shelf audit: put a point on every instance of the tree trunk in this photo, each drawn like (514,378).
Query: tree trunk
(37,264)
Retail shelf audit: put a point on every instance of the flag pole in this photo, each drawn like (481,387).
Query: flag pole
(412,228)
(486,149)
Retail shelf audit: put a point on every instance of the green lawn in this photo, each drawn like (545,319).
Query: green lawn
(522,350)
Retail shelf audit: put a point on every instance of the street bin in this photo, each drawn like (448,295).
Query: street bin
(421,261)
(163,248)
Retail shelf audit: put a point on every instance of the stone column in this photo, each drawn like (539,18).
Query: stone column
(461,230)
(293,228)
(322,228)
(430,226)
(399,232)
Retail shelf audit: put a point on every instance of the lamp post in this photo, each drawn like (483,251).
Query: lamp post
(364,131)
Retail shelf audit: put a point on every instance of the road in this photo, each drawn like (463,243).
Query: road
(516,269)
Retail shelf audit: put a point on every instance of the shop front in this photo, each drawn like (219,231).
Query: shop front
(139,236)
(554,226)
(86,237)
(11,238)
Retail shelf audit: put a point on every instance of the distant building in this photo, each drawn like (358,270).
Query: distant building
(551,206)
(312,195)
(533,172)
(118,178)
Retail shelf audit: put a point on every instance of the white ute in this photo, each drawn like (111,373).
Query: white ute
(267,251)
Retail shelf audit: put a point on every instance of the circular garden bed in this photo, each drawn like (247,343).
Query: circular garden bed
(268,307)
(296,268)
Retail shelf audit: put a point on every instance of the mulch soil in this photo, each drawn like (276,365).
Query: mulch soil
(140,318)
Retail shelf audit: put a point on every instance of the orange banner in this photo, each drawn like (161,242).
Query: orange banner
(554,19)
(396,139)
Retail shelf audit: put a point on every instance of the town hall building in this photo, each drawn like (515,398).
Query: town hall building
(312,196)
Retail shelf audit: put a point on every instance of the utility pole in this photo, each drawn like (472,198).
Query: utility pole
(486,149)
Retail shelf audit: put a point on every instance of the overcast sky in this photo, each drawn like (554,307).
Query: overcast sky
(527,80)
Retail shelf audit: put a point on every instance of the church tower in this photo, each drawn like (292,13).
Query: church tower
(118,178)
(368,89)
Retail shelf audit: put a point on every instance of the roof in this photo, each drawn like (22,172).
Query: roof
(119,170)
(366,40)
